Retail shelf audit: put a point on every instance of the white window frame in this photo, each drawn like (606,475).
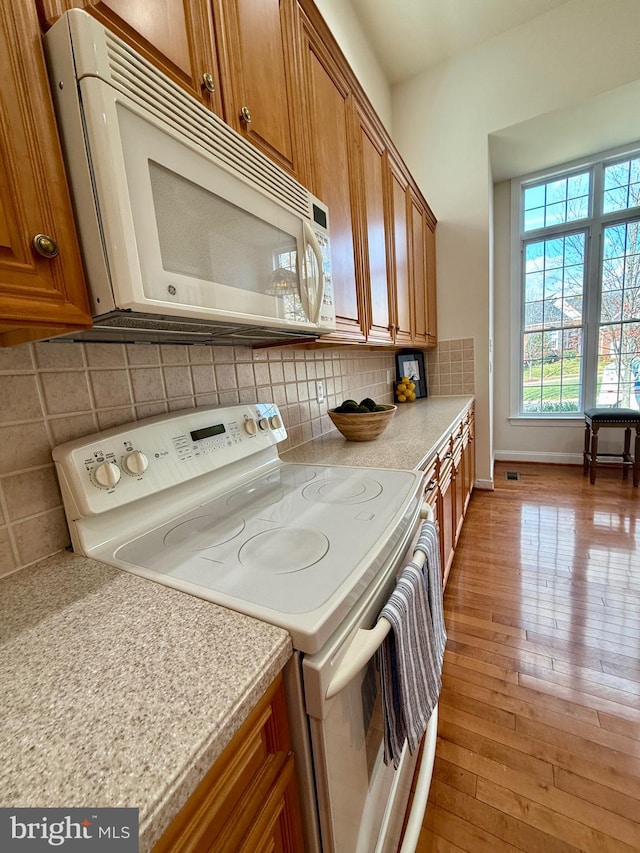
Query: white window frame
(593,254)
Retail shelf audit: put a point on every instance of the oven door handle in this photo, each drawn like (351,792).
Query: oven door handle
(367,641)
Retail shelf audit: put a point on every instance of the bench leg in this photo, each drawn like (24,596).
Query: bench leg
(626,456)
(594,453)
(636,458)
(585,455)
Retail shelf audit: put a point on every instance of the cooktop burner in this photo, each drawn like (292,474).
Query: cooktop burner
(301,527)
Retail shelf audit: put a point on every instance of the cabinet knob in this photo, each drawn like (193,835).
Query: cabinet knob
(207,82)
(45,245)
(245,114)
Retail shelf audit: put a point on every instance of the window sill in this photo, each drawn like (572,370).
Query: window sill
(572,420)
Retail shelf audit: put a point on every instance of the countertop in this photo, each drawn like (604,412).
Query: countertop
(411,438)
(120,691)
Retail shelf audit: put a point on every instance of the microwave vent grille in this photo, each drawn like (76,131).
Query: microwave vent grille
(136,78)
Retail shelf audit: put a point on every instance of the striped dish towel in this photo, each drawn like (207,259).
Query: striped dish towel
(410,658)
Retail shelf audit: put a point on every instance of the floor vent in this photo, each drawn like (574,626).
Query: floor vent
(512,475)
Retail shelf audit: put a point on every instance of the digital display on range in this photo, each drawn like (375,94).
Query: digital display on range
(207,432)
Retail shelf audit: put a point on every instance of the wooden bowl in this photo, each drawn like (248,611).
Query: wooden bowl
(362,426)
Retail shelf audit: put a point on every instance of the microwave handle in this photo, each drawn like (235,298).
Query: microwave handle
(366,641)
(312,240)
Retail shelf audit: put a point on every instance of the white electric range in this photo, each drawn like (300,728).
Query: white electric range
(199,500)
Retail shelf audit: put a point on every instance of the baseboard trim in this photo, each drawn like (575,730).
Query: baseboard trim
(538,456)
(486,485)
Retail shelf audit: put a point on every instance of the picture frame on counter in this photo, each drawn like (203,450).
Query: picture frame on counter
(411,364)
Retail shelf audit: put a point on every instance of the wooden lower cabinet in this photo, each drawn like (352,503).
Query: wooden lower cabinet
(449,476)
(248,801)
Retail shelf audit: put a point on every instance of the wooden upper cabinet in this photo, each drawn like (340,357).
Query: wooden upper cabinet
(422,273)
(176,35)
(398,248)
(39,297)
(259,64)
(371,201)
(329,125)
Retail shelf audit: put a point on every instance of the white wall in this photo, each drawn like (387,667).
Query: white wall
(346,29)
(442,120)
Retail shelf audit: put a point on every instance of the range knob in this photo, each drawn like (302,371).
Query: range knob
(106,475)
(275,421)
(263,423)
(135,463)
(250,426)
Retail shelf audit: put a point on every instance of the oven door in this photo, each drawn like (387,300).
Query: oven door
(361,801)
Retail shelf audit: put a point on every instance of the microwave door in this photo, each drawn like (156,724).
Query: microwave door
(184,235)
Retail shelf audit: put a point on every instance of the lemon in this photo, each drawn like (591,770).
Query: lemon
(405,379)
(401,398)
(411,395)
(412,386)
(401,388)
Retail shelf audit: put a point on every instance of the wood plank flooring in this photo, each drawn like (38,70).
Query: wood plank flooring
(539,730)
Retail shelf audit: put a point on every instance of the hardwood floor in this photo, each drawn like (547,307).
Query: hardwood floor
(539,730)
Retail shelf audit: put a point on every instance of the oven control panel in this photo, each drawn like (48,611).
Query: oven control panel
(105,470)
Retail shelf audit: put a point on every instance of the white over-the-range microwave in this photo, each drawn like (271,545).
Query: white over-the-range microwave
(189,233)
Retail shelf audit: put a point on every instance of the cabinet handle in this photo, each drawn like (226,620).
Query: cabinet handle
(208,82)
(245,115)
(430,486)
(45,246)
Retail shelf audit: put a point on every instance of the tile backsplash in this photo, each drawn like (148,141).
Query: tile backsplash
(54,392)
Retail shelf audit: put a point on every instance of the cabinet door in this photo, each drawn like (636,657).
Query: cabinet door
(430,262)
(400,284)
(39,297)
(372,233)
(260,65)
(328,123)
(176,35)
(422,232)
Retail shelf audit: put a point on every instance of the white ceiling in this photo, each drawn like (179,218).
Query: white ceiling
(408,36)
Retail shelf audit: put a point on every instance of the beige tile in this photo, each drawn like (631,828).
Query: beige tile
(40,536)
(23,446)
(225,377)
(244,372)
(249,395)
(177,381)
(261,372)
(242,354)
(174,354)
(105,355)
(276,372)
(228,398)
(7,558)
(116,417)
(150,410)
(140,354)
(31,492)
(222,355)
(203,378)
(179,403)
(57,355)
(110,388)
(201,355)
(147,384)
(16,358)
(72,426)
(20,400)
(65,392)
(204,400)
(289,372)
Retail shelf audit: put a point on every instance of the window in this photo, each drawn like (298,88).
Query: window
(579,287)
